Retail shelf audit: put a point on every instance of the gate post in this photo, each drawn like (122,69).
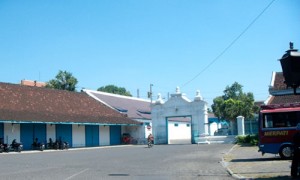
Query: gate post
(241,126)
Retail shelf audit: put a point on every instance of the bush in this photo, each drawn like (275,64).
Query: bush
(248,139)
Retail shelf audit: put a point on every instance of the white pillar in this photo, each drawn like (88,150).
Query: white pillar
(241,127)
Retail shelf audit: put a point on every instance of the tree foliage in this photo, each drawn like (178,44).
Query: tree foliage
(115,90)
(234,103)
(63,80)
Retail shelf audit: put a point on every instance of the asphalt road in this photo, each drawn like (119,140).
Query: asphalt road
(123,162)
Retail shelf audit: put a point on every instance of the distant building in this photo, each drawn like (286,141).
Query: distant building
(279,93)
(32,83)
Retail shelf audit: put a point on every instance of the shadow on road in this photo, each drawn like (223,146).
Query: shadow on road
(257,159)
(275,178)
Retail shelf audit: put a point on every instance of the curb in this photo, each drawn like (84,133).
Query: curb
(62,150)
(225,165)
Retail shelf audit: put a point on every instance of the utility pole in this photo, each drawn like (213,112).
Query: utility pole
(150,93)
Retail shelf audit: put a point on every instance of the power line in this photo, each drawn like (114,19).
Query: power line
(230,44)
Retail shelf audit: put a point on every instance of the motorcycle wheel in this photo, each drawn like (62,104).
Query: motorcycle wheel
(67,146)
(19,148)
(7,149)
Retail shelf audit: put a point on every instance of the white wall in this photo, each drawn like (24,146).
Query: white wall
(180,134)
(148,131)
(11,132)
(50,132)
(213,127)
(78,135)
(104,138)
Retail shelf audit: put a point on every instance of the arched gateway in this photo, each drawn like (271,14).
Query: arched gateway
(179,106)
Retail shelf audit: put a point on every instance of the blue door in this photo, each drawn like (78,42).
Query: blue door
(115,135)
(31,131)
(2,132)
(39,131)
(92,135)
(64,132)
(26,131)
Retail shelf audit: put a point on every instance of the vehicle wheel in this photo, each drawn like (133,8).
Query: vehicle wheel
(286,152)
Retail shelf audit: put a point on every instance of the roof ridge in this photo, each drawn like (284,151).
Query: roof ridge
(117,95)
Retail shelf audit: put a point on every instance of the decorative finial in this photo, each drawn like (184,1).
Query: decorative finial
(158,96)
(198,96)
(177,90)
(159,99)
(291,45)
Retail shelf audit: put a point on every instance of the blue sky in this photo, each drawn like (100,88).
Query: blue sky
(133,44)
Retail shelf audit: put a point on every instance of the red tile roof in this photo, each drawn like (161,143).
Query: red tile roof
(279,91)
(284,99)
(25,103)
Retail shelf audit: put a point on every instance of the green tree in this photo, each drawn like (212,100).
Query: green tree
(217,107)
(234,103)
(63,80)
(115,90)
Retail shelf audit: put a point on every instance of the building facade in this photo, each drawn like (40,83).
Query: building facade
(27,113)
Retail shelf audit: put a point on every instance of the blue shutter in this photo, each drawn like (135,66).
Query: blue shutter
(26,132)
(2,131)
(115,135)
(64,131)
(92,135)
(31,131)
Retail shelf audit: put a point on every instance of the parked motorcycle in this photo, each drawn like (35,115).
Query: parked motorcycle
(53,145)
(63,145)
(15,146)
(38,146)
(3,148)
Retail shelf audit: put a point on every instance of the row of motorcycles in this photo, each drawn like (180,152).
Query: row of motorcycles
(18,146)
(58,144)
(14,146)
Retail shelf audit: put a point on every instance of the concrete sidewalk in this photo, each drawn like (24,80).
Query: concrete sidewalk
(245,162)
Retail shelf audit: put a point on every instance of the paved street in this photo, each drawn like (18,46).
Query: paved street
(125,162)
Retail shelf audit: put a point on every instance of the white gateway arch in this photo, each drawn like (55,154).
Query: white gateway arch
(179,106)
